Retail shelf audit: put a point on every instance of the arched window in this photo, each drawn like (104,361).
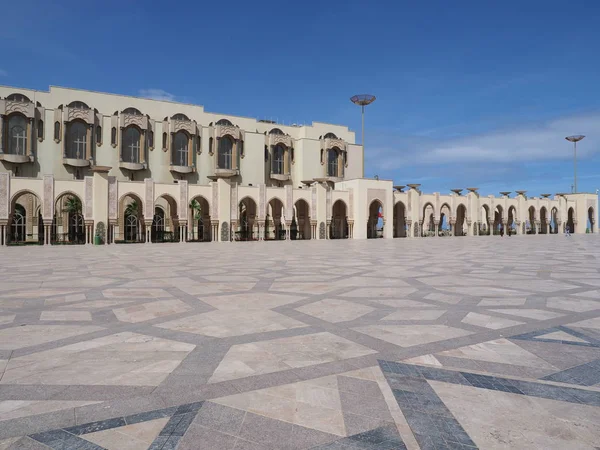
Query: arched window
(277,163)
(18,98)
(76,145)
(131,145)
(131,228)
(180,150)
(164,141)
(275,131)
(113,136)
(98,135)
(76,228)
(78,105)
(330,136)
(132,112)
(17,135)
(225,152)
(57,131)
(224,122)
(18,225)
(180,117)
(40,130)
(151,138)
(332,163)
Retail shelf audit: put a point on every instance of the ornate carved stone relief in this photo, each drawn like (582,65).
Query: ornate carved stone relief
(224,130)
(48,201)
(87,115)
(276,139)
(328,203)
(328,143)
(215,201)
(184,125)
(112,198)
(289,202)
(4,195)
(27,109)
(149,200)
(262,201)
(234,203)
(131,119)
(313,202)
(225,232)
(351,203)
(322,230)
(88,189)
(183,200)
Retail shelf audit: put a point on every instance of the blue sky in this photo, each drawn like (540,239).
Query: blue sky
(468,93)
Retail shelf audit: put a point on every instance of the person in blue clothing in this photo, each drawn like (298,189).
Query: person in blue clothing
(567,230)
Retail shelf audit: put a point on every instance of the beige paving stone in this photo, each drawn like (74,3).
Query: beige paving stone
(536,314)
(138,436)
(4,319)
(65,299)
(135,293)
(446,298)
(14,409)
(486,291)
(202,289)
(250,301)
(126,358)
(371,281)
(373,292)
(28,335)
(262,357)
(410,335)
(570,304)
(495,419)
(66,316)
(303,288)
(424,314)
(229,323)
(483,320)
(424,360)
(588,323)
(313,404)
(334,310)
(149,311)
(37,293)
(499,351)
(560,336)
(509,301)
(97,304)
(399,303)
(5,444)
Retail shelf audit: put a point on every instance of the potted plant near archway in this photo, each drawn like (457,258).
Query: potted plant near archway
(197,215)
(76,227)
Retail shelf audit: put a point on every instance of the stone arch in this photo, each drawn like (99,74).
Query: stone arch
(68,224)
(23,225)
(445,220)
(399,219)
(273,219)
(301,220)
(511,222)
(169,231)
(591,219)
(199,216)
(428,220)
(554,220)
(484,219)
(498,219)
(543,220)
(339,220)
(571,223)
(375,213)
(461,216)
(247,215)
(531,219)
(130,223)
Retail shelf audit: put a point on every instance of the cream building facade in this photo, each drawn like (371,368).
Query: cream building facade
(77,164)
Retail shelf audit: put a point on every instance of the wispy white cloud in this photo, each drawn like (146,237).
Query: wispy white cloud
(3,73)
(538,142)
(157,94)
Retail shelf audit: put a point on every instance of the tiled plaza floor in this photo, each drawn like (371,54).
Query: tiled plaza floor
(436,343)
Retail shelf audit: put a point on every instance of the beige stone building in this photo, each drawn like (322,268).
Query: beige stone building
(75,164)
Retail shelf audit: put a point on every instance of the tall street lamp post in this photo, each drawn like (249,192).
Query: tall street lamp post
(363,100)
(575,139)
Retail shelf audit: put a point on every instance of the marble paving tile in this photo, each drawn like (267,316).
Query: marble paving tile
(28,335)
(445,298)
(135,293)
(13,409)
(227,323)
(66,316)
(483,320)
(137,436)
(560,336)
(149,311)
(372,292)
(97,304)
(262,357)
(303,288)
(334,311)
(498,351)
(64,299)
(496,419)
(9,318)
(509,301)
(250,301)
(423,314)
(536,314)
(571,304)
(127,359)
(588,323)
(398,303)
(410,335)
(424,360)
(215,288)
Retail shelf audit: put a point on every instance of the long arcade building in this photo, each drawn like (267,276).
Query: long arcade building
(76,164)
